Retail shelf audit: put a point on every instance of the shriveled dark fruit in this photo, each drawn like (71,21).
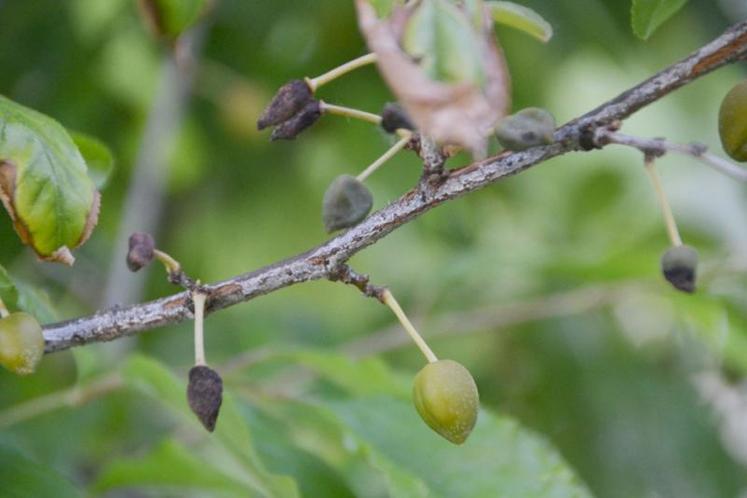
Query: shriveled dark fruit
(732,122)
(394,117)
(679,265)
(21,343)
(205,394)
(141,250)
(290,129)
(527,128)
(446,397)
(289,100)
(346,202)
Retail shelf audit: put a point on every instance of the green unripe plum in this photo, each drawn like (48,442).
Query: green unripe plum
(346,202)
(21,343)
(732,122)
(527,128)
(446,397)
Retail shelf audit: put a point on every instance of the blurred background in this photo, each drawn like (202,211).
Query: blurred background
(596,377)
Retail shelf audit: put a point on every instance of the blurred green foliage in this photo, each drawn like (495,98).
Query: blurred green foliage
(592,397)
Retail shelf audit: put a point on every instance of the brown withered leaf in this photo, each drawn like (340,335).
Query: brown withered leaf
(461,113)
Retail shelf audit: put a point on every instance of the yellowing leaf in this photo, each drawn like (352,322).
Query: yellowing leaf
(44,184)
(521,18)
(439,36)
(451,77)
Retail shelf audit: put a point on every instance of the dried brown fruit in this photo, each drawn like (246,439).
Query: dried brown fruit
(287,102)
(290,129)
(141,250)
(205,394)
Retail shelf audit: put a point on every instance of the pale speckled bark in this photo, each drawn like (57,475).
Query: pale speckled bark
(324,261)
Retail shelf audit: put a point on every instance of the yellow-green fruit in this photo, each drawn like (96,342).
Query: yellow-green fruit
(21,343)
(446,397)
(732,122)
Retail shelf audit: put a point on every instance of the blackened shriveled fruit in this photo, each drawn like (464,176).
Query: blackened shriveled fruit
(141,250)
(307,116)
(288,101)
(205,394)
(679,266)
(394,117)
(527,128)
(346,202)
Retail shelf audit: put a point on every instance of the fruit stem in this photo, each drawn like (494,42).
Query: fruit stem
(326,108)
(666,209)
(389,300)
(172,265)
(401,143)
(364,60)
(198,299)
(3,310)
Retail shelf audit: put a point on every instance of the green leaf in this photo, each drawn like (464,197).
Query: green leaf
(357,377)
(384,8)
(19,295)
(171,18)
(149,377)
(500,459)
(648,15)
(522,18)
(8,291)
(24,478)
(36,302)
(173,466)
(442,39)
(43,183)
(98,157)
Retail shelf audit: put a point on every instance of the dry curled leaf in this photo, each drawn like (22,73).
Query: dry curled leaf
(455,88)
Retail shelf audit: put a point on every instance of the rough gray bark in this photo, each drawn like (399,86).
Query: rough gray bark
(326,260)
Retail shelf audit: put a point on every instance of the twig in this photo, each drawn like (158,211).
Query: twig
(349,112)
(398,146)
(319,262)
(661,196)
(660,146)
(364,60)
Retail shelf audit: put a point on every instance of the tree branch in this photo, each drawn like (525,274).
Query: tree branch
(324,261)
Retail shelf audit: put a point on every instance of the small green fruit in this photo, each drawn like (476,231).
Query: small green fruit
(527,128)
(346,202)
(679,266)
(21,343)
(732,122)
(446,398)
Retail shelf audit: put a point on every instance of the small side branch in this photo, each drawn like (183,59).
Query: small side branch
(660,146)
(346,275)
